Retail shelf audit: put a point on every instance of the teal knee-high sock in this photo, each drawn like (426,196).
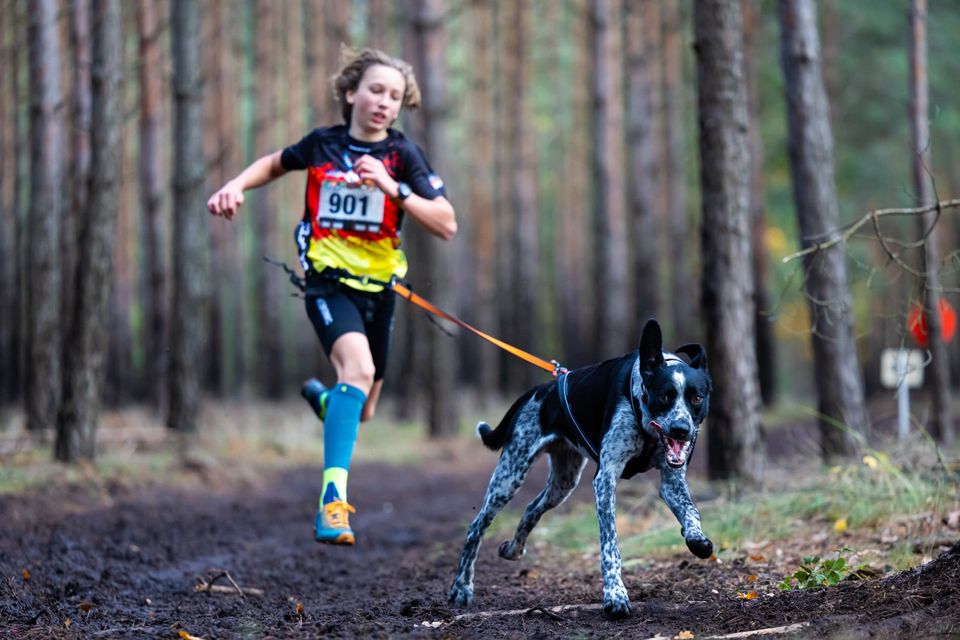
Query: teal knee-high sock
(344,406)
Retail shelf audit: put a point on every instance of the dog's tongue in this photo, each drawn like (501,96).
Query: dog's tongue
(675,451)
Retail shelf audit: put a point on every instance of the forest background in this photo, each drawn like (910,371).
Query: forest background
(511,121)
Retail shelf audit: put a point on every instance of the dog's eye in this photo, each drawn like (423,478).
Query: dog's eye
(665,398)
(696,400)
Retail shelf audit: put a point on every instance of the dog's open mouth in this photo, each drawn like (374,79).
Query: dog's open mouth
(675,451)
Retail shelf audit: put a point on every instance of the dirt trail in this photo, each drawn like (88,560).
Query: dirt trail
(122,563)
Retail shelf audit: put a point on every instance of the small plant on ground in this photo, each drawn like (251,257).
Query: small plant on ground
(818,572)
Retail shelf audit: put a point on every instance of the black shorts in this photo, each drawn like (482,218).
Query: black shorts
(336,309)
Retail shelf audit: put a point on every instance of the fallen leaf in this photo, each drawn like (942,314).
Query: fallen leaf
(870,461)
(85,606)
(67,622)
(684,635)
(26,574)
(752,578)
(749,595)
(299,608)
(185,635)
(840,525)
(757,557)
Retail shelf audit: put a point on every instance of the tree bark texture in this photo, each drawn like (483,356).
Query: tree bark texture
(643,180)
(609,197)
(44,322)
(941,419)
(734,440)
(433,261)
(188,312)
(837,373)
(152,186)
(684,299)
(86,339)
(762,301)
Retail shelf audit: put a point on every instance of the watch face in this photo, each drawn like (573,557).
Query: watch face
(403,190)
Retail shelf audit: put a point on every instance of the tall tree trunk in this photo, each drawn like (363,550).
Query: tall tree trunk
(837,374)
(380,17)
(762,301)
(941,419)
(8,231)
(270,361)
(482,213)
(609,193)
(21,163)
(735,441)
(433,261)
(80,117)
(642,90)
(86,343)
(152,181)
(188,314)
(526,326)
(684,300)
(46,180)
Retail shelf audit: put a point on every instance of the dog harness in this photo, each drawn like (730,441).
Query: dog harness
(594,391)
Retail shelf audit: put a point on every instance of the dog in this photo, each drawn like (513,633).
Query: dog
(629,414)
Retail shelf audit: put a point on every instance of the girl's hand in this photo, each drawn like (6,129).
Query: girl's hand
(226,201)
(369,168)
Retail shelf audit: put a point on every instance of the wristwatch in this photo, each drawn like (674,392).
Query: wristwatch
(403,191)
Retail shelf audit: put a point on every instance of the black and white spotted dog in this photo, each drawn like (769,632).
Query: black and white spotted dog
(631,414)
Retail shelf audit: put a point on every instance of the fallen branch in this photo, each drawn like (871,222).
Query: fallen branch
(208,586)
(867,217)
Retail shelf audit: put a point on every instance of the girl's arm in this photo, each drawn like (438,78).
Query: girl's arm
(436,216)
(228,199)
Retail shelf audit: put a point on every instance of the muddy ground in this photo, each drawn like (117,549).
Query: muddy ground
(124,561)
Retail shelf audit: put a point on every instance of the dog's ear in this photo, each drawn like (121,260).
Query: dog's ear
(696,353)
(651,346)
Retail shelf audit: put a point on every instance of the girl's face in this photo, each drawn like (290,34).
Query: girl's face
(376,102)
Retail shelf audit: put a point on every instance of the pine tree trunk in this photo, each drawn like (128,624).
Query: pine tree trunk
(642,93)
(762,301)
(609,193)
(47,140)
(941,419)
(85,347)
(432,259)
(734,440)
(8,231)
(684,298)
(836,370)
(152,181)
(188,314)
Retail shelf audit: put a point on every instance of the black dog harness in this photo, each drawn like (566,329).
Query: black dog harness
(594,391)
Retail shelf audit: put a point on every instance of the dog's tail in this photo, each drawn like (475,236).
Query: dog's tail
(494,439)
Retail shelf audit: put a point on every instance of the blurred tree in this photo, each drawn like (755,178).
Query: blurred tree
(86,343)
(270,362)
(762,300)
(684,299)
(941,420)
(735,446)
(641,31)
(152,187)
(78,182)
(9,254)
(480,206)
(610,272)
(430,261)
(44,278)
(836,370)
(572,260)
(188,331)
(525,327)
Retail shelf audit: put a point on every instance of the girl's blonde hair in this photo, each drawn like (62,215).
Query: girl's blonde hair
(356,64)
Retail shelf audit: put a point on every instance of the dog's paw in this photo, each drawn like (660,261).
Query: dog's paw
(461,595)
(617,608)
(700,547)
(509,551)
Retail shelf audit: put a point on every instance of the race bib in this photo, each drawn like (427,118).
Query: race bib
(350,207)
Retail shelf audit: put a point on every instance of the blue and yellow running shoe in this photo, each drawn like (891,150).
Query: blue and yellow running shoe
(316,396)
(333,523)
